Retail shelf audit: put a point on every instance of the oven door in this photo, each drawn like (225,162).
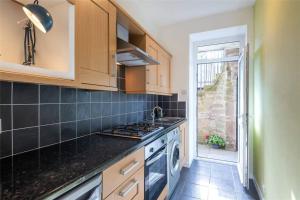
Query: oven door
(156,174)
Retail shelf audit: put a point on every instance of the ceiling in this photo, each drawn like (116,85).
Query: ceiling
(167,12)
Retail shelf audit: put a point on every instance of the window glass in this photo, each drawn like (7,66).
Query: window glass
(218,51)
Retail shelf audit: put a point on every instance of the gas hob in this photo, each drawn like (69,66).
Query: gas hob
(135,131)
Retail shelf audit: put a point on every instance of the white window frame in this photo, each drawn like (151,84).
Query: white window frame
(239,39)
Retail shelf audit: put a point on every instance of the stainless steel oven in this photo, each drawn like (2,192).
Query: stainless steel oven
(156,174)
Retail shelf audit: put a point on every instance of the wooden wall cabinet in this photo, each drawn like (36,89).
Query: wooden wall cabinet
(96,43)
(95,53)
(164,72)
(183,144)
(151,70)
(95,48)
(152,79)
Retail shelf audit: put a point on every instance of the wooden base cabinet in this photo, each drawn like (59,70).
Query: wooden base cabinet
(183,144)
(125,179)
(131,189)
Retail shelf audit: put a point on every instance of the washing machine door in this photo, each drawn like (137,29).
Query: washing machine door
(174,159)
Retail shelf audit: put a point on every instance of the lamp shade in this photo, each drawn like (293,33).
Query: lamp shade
(39,16)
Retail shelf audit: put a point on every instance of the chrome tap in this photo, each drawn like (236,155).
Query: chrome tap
(153,113)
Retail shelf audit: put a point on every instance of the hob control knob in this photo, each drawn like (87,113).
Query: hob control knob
(151,149)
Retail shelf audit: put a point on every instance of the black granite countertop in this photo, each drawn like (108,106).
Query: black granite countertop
(49,172)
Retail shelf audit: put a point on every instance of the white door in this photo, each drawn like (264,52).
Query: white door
(243,86)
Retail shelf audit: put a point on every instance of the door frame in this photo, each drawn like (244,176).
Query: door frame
(243,174)
(243,163)
(238,38)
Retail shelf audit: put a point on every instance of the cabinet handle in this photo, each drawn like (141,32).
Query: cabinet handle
(129,168)
(114,66)
(147,76)
(128,188)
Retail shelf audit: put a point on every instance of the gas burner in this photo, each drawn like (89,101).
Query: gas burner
(136,131)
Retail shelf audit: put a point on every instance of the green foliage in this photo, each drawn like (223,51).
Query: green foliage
(217,140)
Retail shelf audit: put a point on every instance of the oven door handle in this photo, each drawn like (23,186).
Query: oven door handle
(154,159)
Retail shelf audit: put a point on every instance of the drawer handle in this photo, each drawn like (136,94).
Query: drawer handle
(128,188)
(129,168)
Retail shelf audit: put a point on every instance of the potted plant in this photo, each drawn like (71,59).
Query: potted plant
(216,141)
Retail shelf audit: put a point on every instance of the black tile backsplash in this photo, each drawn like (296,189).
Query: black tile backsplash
(67,112)
(5,93)
(5,115)
(83,111)
(5,143)
(49,94)
(67,95)
(49,114)
(68,131)
(25,116)
(83,127)
(34,116)
(25,139)
(49,134)
(25,93)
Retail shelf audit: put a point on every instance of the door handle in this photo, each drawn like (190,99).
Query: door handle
(129,168)
(128,188)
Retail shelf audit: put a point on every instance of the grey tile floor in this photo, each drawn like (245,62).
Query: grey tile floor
(210,181)
(205,151)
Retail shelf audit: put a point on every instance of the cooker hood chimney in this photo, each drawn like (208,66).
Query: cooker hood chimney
(128,54)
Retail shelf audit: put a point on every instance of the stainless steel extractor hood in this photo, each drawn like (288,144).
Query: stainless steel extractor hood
(128,54)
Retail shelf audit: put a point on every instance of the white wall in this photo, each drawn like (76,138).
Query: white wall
(176,39)
(139,17)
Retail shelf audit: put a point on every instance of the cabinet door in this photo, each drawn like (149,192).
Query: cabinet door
(151,70)
(164,72)
(96,42)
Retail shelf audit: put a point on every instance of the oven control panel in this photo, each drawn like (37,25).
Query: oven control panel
(152,147)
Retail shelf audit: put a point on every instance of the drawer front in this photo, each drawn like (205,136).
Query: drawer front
(121,171)
(131,189)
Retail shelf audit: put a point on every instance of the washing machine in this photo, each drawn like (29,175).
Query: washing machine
(173,159)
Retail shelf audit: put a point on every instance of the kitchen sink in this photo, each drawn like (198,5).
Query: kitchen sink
(168,119)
